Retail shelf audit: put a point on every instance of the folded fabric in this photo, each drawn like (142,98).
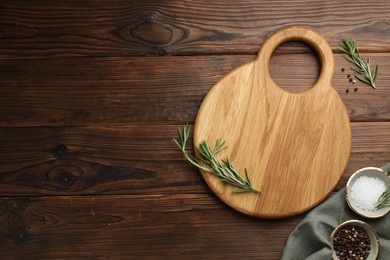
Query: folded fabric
(309,240)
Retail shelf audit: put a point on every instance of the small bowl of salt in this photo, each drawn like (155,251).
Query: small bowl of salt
(363,190)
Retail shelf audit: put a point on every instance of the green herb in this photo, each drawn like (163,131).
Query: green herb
(367,75)
(208,162)
(384,199)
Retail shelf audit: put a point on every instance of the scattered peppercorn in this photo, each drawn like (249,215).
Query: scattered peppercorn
(349,75)
(350,79)
(355,89)
(342,69)
(346,91)
(351,242)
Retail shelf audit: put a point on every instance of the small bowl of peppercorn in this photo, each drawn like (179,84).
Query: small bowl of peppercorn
(354,239)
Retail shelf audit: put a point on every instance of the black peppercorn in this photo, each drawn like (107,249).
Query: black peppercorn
(351,242)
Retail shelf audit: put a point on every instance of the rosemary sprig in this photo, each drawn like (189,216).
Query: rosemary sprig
(367,75)
(384,199)
(207,162)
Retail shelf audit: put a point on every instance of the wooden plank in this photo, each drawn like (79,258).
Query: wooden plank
(127,28)
(129,160)
(122,227)
(156,90)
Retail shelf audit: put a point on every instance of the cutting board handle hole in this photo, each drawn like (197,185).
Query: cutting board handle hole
(295,66)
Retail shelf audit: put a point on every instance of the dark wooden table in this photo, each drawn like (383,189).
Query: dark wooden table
(91,95)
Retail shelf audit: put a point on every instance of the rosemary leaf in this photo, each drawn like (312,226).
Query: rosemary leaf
(366,75)
(363,80)
(384,199)
(208,162)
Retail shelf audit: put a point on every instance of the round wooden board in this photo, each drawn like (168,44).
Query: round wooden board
(295,146)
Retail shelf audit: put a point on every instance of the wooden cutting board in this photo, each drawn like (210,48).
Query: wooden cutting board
(295,146)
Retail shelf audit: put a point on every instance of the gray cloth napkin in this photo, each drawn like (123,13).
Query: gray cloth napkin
(309,240)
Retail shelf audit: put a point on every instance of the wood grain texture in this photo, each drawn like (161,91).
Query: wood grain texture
(94,160)
(298,143)
(157,90)
(128,28)
(134,160)
(91,93)
(135,227)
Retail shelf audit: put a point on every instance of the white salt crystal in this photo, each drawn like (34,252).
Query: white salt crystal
(366,191)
